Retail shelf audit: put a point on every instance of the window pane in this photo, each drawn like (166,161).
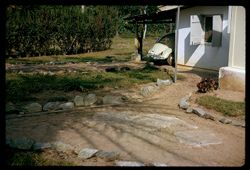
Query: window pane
(208,29)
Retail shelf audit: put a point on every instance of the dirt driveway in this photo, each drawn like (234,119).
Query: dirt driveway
(152,130)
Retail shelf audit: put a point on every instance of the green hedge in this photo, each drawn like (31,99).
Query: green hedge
(54,30)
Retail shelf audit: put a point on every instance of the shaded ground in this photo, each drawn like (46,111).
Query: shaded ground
(134,129)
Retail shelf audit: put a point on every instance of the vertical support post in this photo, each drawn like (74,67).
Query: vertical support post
(176,42)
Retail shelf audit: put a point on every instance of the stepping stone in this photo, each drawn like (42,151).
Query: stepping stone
(159,164)
(61,147)
(128,163)
(41,146)
(87,153)
(108,156)
(197,137)
(225,120)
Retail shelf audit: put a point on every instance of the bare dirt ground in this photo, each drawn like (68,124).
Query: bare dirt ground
(137,131)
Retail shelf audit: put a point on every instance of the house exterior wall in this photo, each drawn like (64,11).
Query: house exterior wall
(202,55)
(238,39)
(233,76)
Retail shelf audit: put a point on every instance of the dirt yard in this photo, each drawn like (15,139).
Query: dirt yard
(150,129)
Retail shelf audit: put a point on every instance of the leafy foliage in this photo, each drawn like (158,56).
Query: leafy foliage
(53,30)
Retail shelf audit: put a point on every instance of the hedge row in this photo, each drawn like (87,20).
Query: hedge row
(53,30)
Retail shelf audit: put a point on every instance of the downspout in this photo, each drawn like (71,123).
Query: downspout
(176,43)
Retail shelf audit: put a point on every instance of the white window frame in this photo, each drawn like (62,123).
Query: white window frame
(197,22)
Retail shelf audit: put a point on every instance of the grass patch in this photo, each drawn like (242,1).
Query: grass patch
(29,158)
(20,87)
(121,50)
(227,107)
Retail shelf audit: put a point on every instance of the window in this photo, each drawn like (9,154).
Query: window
(206,29)
(208,24)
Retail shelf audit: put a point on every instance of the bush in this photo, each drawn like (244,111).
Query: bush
(54,30)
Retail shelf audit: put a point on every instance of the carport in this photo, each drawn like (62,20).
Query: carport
(169,15)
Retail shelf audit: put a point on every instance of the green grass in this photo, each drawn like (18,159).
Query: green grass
(29,158)
(227,107)
(19,87)
(121,51)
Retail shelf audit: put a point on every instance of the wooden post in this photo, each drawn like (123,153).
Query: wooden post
(176,43)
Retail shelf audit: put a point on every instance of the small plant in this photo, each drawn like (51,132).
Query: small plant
(206,85)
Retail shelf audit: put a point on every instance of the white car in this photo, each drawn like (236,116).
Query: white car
(163,49)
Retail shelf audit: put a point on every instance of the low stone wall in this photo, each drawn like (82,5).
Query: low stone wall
(232,79)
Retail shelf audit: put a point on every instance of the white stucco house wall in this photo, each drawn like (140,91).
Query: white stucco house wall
(213,37)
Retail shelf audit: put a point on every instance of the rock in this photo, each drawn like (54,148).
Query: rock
(112,69)
(109,99)
(51,106)
(236,123)
(10,108)
(108,156)
(183,104)
(33,107)
(87,153)
(148,90)
(125,68)
(66,106)
(225,120)
(189,110)
(51,73)
(197,137)
(61,147)
(164,82)
(78,100)
(20,72)
(199,112)
(21,143)
(208,116)
(89,99)
(159,164)
(41,146)
(128,163)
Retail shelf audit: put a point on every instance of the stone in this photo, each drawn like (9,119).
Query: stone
(236,123)
(200,112)
(78,100)
(164,82)
(33,107)
(183,104)
(51,106)
(89,99)
(61,147)
(128,163)
(20,72)
(161,121)
(51,73)
(225,120)
(109,99)
(209,116)
(148,90)
(159,164)
(189,110)
(197,137)
(66,106)
(108,156)
(41,146)
(125,68)
(112,69)
(21,143)
(87,153)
